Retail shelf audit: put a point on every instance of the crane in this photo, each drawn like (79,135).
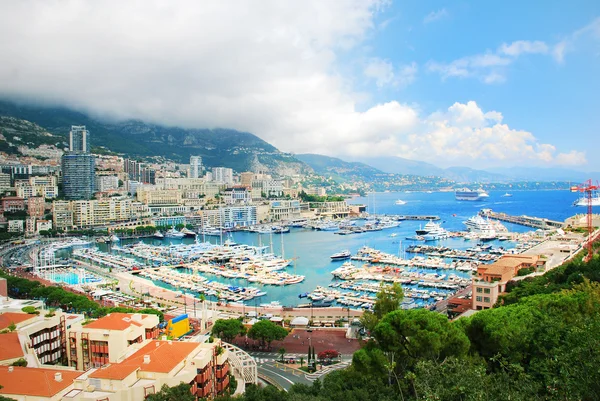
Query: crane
(588,188)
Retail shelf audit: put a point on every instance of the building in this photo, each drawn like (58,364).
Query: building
(237,195)
(106,183)
(331,209)
(4,182)
(154,196)
(492,279)
(97,212)
(79,175)
(43,225)
(44,333)
(36,206)
(16,226)
(137,172)
(195,167)
(36,384)
(154,364)
(222,175)
(45,186)
(79,139)
(246,179)
(237,216)
(268,187)
(285,210)
(108,339)
(13,204)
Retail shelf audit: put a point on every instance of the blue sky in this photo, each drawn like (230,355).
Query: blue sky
(454,83)
(556,101)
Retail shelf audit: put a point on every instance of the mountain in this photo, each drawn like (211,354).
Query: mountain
(16,133)
(545,174)
(241,151)
(399,165)
(338,168)
(466,174)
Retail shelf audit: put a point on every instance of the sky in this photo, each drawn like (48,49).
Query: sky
(455,83)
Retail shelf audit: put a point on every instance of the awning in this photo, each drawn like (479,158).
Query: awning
(299,321)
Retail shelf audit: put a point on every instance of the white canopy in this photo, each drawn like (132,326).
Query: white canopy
(299,321)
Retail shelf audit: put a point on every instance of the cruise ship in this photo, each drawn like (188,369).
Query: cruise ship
(583,201)
(467,194)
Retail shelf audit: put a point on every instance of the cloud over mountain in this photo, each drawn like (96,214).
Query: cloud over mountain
(268,67)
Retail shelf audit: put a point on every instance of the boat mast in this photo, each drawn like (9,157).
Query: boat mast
(282,252)
(271,240)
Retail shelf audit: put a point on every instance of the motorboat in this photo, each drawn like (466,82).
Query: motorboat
(158,235)
(507,195)
(341,255)
(400,202)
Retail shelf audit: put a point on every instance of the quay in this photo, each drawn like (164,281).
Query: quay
(535,222)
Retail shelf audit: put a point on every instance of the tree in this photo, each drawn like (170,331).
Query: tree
(181,392)
(282,353)
(301,361)
(266,331)
(387,300)
(228,329)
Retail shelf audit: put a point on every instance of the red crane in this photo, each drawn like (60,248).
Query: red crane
(588,188)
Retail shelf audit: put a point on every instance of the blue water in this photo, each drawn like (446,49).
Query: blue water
(313,248)
(73,278)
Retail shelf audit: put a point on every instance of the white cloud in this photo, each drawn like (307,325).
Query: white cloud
(579,38)
(524,46)
(435,16)
(268,67)
(383,73)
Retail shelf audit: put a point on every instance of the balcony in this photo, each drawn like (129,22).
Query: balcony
(204,392)
(222,386)
(222,372)
(202,377)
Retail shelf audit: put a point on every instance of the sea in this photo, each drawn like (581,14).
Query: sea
(311,249)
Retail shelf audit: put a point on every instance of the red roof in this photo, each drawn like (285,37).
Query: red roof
(38,382)
(13,317)
(164,357)
(114,321)
(10,346)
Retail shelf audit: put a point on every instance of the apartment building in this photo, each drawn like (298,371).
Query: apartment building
(154,196)
(107,339)
(44,186)
(222,175)
(13,203)
(492,279)
(237,195)
(284,210)
(36,384)
(96,213)
(45,333)
(36,206)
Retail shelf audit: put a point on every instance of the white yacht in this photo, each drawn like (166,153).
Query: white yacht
(400,202)
(583,201)
(173,233)
(479,225)
(158,235)
(341,255)
(435,232)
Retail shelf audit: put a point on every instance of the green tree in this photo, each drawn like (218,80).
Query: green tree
(181,392)
(266,331)
(388,299)
(281,352)
(228,329)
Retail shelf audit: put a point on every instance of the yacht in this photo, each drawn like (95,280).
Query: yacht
(428,227)
(173,233)
(507,195)
(400,202)
(188,233)
(583,201)
(341,255)
(479,225)
(114,238)
(436,232)
(466,194)
(158,235)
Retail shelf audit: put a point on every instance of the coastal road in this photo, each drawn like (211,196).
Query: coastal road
(279,373)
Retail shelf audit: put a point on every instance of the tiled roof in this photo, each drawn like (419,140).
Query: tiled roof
(38,382)
(164,356)
(114,321)
(13,317)
(10,346)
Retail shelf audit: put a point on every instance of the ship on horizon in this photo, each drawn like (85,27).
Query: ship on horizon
(466,194)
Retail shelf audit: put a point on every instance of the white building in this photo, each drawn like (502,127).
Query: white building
(222,175)
(195,167)
(106,182)
(15,226)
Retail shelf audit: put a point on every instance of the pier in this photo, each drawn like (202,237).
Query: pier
(535,222)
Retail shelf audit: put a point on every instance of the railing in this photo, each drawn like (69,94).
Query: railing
(242,363)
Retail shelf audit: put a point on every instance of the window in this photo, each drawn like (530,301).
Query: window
(478,299)
(486,299)
(478,289)
(487,290)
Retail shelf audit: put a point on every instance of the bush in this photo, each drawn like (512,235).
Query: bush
(30,310)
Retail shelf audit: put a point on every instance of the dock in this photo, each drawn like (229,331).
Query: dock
(529,221)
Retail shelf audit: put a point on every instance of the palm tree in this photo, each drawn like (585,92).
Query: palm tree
(301,361)
(282,353)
